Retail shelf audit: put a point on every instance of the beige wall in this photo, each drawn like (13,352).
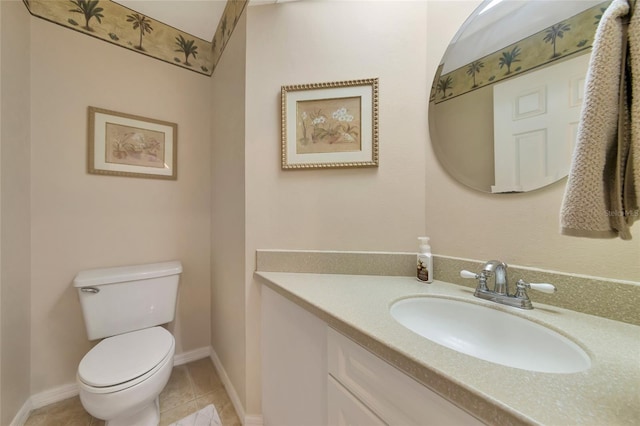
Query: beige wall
(84,221)
(228,211)
(521,229)
(15,208)
(354,209)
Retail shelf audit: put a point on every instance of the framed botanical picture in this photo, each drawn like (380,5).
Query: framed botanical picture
(330,124)
(129,145)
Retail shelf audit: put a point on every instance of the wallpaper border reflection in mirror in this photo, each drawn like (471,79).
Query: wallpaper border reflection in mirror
(568,37)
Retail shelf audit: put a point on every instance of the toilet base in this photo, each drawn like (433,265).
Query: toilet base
(136,405)
(148,416)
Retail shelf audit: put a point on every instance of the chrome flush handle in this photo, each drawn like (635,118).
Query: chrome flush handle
(90,290)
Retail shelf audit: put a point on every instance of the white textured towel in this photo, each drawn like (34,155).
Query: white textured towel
(600,198)
(632,189)
(208,416)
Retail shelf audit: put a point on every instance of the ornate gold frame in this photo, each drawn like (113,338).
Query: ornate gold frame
(365,90)
(134,143)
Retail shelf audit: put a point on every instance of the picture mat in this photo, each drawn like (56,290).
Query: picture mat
(100,125)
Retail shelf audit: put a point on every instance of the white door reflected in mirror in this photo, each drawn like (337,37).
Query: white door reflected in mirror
(535,120)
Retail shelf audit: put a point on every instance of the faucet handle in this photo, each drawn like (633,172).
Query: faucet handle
(522,285)
(468,274)
(481,277)
(543,287)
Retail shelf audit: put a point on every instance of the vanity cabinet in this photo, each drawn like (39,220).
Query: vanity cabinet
(314,375)
(294,364)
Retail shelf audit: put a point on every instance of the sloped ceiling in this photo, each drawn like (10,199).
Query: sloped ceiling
(200,18)
(196,17)
(191,34)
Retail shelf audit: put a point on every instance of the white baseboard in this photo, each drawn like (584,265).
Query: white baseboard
(54,395)
(23,414)
(231,391)
(246,419)
(194,355)
(253,420)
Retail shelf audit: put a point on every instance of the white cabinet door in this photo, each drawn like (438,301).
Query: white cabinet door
(294,364)
(346,410)
(392,395)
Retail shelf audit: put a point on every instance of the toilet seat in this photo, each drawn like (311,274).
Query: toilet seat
(125,360)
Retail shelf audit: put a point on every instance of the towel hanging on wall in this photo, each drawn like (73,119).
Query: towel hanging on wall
(631,184)
(601,197)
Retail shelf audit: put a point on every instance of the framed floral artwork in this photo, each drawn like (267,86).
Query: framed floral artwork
(330,124)
(129,145)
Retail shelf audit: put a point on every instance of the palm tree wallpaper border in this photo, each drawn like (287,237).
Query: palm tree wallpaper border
(569,37)
(119,25)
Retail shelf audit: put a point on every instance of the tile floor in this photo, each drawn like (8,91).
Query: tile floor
(191,387)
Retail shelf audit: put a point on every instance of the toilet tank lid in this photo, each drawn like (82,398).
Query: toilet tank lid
(92,277)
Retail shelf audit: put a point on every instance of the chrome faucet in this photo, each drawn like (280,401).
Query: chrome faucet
(500,293)
(499,269)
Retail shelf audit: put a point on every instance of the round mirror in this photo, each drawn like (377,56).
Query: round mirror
(505,102)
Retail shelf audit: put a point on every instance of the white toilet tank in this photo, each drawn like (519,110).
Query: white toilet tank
(127,298)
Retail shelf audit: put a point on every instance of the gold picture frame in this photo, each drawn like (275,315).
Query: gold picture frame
(327,125)
(129,145)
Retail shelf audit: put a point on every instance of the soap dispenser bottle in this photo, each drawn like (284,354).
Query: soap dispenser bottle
(425,261)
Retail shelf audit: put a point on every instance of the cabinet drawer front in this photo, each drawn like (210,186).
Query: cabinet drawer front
(392,395)
(344,409)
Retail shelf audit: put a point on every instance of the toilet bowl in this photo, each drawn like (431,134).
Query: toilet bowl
(121,378)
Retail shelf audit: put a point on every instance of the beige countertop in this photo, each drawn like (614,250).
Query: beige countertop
(607,394)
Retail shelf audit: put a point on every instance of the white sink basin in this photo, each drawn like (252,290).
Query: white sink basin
(490,334)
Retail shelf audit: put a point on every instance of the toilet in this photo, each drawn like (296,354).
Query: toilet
(121,378)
